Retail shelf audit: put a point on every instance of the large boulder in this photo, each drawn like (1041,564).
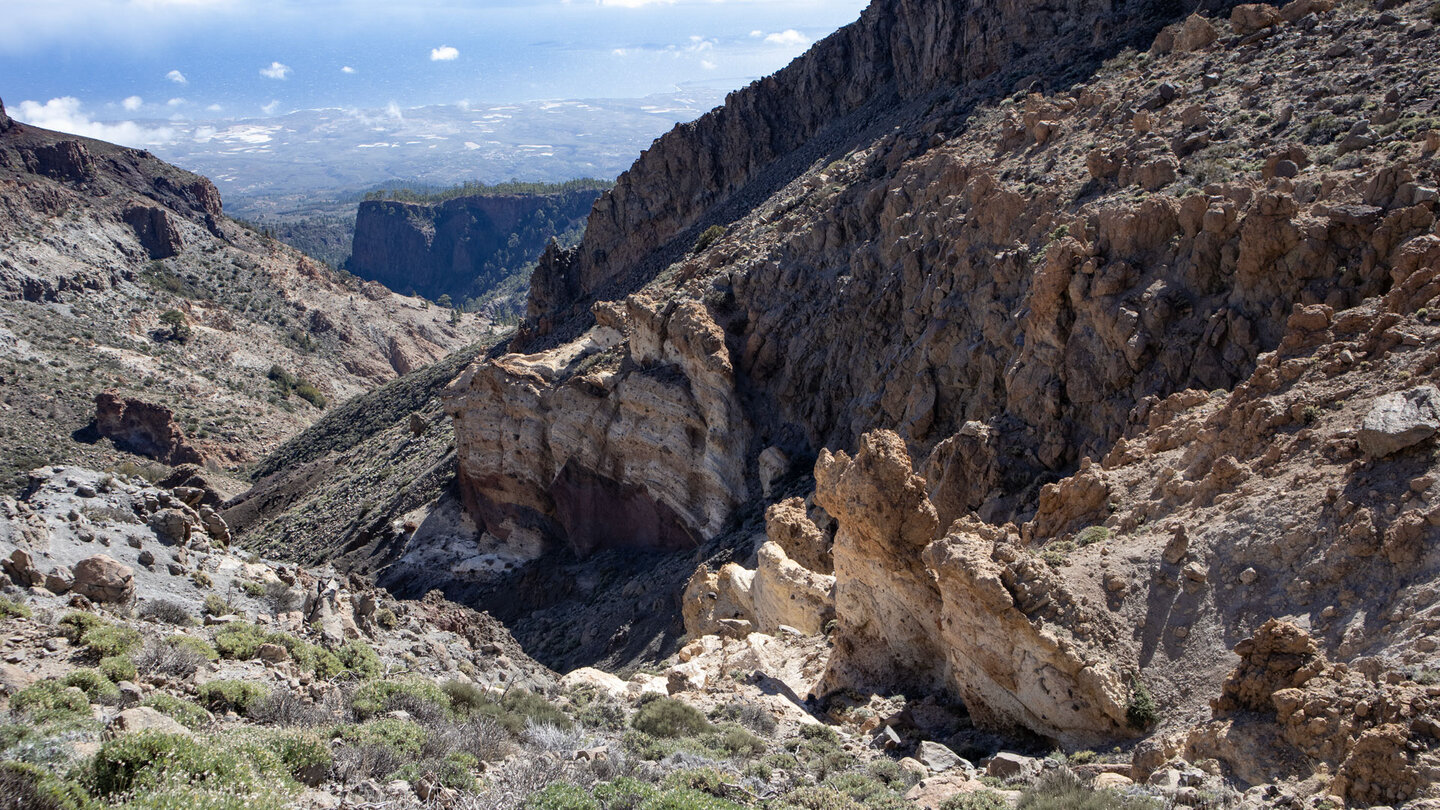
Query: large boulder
(1399,420)
(103,579)
(20,565)
(1251,17)
(144,718)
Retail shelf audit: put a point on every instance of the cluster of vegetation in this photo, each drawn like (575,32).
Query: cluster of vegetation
(287,383)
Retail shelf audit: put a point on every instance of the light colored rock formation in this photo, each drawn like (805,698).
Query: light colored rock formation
(101,578)
(538,453)
(783,592)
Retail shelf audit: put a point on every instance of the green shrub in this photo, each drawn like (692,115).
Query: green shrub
(455,771)
(404,737)
(175,770)
(48,701)
(29,787)
(254,589)
(668,717)
(310,394)
(625,793)
(465,697)
(182,711)
(199,646)
(11,609)
(518,708)
(375,696)
(179,328)
(106,640)
(118,668)
(707,238)
(705,780)
(215,605)
(1141,711)
(682,799)
(1091,535)
(239,641)
(736,741)
(1061,789)
(359,658)
(76,624)
(304,754)
(753,716)
(645,746)
(223,696)
(979,800)
(562,796)
(818,797)
(96,686)
(385,617)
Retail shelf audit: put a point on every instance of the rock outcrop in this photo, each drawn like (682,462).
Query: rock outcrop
(101,578)
(461,247)
(143,428)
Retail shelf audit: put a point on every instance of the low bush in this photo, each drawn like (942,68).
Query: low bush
(1141,711)
(376,697)
(707,238)
(118,668)
(230,695)
(167,612)
(668,718)
(978,800)
(154,770)
(49,701)
(29,787)
(1061,789)
(11,609)
(76,624)
(753,716)
(403,737)
(179,656)
(105,640)
(456,771)
(562,796)
(215,605)
(182,711)
(284,708)
(96,686)
(625,793)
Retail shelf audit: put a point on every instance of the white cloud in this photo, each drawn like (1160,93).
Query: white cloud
(276,71)
(444,53)
(347,69)
(757,33)
(175,102)
(177,77)
(132,103)
(214,108)
(65,115)
(789,38)
(634,3)
(393,110)
(620,52)
(707,64)
(269,109)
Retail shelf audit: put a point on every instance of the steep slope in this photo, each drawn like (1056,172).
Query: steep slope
(119,272)
(463,247)
(953,305)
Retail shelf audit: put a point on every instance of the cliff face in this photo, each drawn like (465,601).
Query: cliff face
(461,247)
(1086,378)
(897,50)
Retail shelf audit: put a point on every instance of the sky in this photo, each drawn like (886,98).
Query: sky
(119,69)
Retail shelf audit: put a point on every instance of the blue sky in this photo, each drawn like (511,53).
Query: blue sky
(104,63)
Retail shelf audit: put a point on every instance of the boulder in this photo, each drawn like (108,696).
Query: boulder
(688,677)
(143,718)
(103,579)
(932,793)
(59,579)
(272,653)
(20,565)
(939,759)
(1400,420)
(171,526)
(597,679)
(13,679)
(1006,764)
(1251,17)
(1296,9)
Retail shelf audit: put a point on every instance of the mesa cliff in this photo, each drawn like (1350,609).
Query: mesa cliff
(461,247)
(1085,371)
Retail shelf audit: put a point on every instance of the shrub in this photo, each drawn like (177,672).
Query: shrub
(214,605)
(376,697)
(106,640)
(76,624)
(562,796)
(868,791)
(1091,535)
(736,741)
(1061,789)
(230,695)
(479,737)
(182,711)
(979,800)
(624,793)
(168,612)
(403,737)
(118,668)
(385,617)
(310,394)
(750,715)
(306,756)
(455,771)
(253,589)
(33,788)
(177,770)
(48,701)
(359,658)
(520,708)
(465,697)
(707,238)
(1141,711)
(682,799)
(11,609)
(818,797)
(95,685)
(179,655)
(668,717)
(175,320)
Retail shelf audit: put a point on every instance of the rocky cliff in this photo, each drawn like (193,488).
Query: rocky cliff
(119,272)
(462,247)
(1079,361)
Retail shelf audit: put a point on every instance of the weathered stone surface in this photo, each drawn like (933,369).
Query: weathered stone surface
(144,428)
(1248,18)
(1399,420)
(1006,764)
(20,565)
(59,579)
(938,758)
(155,231)
(144,718)
(103,579)
(784,592)
(595,679)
